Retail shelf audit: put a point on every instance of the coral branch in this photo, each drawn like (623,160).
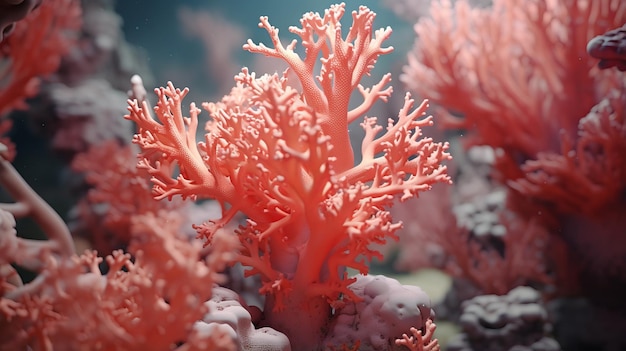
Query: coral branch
(421,341)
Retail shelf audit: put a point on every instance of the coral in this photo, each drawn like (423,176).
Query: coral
(384,311)
(283,158)
(276,150)
(515,321)
(228,312)
(520,110)
(494,250)
(554,120)
(72,304)
(590,174)
(118,192)
(34,50)
(419,341)
(26,252)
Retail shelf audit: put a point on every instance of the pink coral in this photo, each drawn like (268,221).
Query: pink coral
(283,158)
(35,49)
(421,341)
(72,304)
(554,118)
(459,62)
(590,174)
(119,191)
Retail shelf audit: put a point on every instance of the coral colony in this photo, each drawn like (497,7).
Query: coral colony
(249,223)
(277,154)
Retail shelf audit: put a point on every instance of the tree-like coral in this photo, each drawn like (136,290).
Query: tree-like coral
(459,61)
(283,158)
(554,119)
(419,341)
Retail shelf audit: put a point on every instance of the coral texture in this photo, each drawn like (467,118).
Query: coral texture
(276,151)
(34,49)
(283,158)
(384,312)
(555,120)
(515,321)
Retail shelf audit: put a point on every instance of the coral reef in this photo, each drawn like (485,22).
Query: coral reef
(276,151)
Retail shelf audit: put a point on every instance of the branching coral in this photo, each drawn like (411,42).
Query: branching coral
(459,62)
(72,304)
(589,174)
(419,341)
(283,158)
(34,49)
(554,119)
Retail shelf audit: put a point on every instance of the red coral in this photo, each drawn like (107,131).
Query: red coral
(459,62)
(563,165)
(72,304)
(35,49)
(284,158)
(590,173)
